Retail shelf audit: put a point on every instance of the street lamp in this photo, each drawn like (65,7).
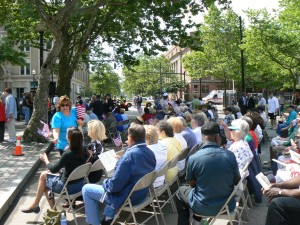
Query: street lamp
(242,55)
(41,27)
(34,83)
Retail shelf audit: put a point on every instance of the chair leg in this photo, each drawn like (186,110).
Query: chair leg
(159,208)
(155,214)
(171,200)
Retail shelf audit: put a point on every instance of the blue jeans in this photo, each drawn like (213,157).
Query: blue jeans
(279,127)
(28,113)
(92,194)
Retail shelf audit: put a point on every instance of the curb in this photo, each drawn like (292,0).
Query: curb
(27,174)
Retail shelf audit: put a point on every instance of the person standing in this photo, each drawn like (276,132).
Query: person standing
(11,112)
(281,103)
(139,101)
(28,103)
(2,120)
(243,103)
(109,104)
(273,107)
(195,103)
(250,101)
(261,100)
(97,107)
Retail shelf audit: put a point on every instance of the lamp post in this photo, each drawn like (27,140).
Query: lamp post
(242,55)
(41,27)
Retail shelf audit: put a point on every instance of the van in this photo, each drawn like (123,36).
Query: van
(216,97)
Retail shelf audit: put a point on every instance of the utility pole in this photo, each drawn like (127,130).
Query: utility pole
(160,74)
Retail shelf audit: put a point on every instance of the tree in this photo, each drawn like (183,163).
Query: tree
(9,54)
(105,80)
(220,42)
(272,45)
(151,75)
(77,25)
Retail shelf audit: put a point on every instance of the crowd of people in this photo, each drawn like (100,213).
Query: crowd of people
(229,145)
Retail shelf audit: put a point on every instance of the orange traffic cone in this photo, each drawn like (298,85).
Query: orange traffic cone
(18,149)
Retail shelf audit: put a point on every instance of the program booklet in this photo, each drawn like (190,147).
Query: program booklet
(263,180)
(295,156)
(109,161)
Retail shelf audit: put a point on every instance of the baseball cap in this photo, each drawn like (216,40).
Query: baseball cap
(165,94)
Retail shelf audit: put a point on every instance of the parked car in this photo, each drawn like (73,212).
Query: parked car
(144,102)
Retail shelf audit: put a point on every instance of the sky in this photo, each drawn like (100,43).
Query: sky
(239,5)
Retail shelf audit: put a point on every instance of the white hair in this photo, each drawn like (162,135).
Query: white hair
(243,127)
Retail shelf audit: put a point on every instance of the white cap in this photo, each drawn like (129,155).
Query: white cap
(165,94)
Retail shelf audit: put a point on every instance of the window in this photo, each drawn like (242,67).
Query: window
(205,88)
(25,46)
(25,70)
(195,87)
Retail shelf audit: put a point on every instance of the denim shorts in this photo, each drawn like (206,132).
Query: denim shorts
(55,184)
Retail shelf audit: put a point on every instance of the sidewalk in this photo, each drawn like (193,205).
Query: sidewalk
(15,170)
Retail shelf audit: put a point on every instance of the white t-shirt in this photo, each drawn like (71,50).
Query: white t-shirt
(160,152)
(273,104)
(198,134)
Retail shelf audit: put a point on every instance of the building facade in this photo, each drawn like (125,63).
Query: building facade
(193,87)
(23,79)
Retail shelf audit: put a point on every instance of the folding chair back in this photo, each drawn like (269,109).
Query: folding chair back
(183,154)
(162,170)
(193,150)
(173,162)
(142,183)
(80,172)
(225,209)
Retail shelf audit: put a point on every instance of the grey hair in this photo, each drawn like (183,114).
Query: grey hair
(236,108)
(242,125)
(200,118)
(183,121)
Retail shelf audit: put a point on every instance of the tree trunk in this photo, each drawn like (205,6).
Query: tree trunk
(40,112)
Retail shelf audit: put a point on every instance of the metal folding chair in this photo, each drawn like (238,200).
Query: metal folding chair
(80,172)
(145,182)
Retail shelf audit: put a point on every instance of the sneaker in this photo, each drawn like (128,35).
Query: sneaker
(12,140)
(106,222)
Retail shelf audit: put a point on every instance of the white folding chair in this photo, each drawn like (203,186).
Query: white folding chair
(80,172)
(224,213)
(172,164)
(145,182)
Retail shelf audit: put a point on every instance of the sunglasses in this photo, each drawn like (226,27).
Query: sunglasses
(64,105)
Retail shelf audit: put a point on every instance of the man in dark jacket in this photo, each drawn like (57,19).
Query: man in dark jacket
(243,103)
(250,101)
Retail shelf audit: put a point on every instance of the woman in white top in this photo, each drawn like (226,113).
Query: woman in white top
(159,150)
(243,154)
(177,128)
(197,121)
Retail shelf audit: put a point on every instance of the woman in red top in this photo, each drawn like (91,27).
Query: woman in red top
(147,115)
(2,121)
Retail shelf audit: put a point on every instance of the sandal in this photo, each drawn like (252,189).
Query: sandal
(67,205)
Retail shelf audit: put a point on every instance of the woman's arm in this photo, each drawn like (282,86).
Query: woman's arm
(56,132)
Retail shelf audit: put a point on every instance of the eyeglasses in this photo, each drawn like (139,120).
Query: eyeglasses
(64,105)
(232,129)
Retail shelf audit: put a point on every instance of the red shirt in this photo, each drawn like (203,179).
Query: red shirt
(254,137)
(147,116)
(2,113)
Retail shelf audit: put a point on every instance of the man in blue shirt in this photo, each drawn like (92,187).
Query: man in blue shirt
(10,114)
(137,161)
(212,174)
(188,134)
(292,116)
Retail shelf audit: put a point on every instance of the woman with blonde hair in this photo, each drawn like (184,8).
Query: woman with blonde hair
(177,129)
(159,150)
(96,131)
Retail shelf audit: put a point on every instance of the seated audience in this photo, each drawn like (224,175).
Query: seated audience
(198,120)
(120,116)
(51,180)
(177,128)
(136,162)
(292,116)
(166,137)
(147,115)
(207,192)
(284,205)
(188,134)
(159,150)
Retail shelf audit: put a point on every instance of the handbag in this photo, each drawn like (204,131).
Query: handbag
(52,217)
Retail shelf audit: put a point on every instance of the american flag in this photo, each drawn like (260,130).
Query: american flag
(80,111)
